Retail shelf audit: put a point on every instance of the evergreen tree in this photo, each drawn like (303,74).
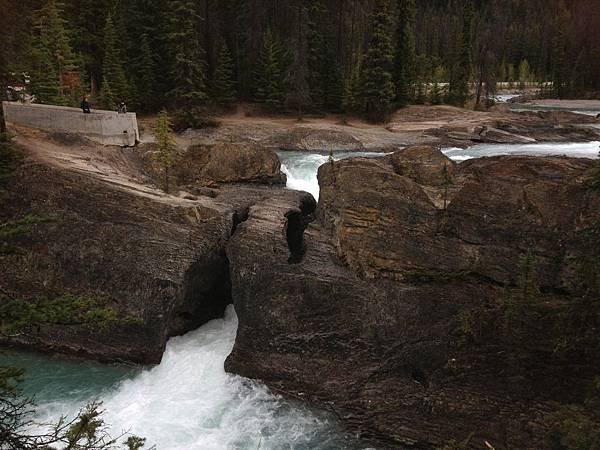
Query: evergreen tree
(223,84)
(112,66)
(524,73)
(559,53)
(298,91)
(165,146)
(325,78)
(88,19)
(405,51)
(142,27)
(51,55)
(269,79)
(377,85)
(188,71)
(437,92)
(458,91)
(436,95)
(334,86)
(351,93)
(317,54)
(107,97)
(145,80)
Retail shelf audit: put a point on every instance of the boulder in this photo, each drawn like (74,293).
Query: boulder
(424,165)
(317,140)
(229,163)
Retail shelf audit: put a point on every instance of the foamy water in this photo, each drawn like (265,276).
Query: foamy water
(187,402)
(301,168)
(575,150)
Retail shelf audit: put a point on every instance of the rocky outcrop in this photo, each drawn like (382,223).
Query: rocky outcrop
(157,261)
(229,163)
(316,140)
(201,166)
(424,165)
(374,317)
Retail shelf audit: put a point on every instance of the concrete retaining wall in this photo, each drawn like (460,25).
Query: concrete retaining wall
(105,127)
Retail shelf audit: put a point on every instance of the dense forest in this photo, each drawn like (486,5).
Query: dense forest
(354,56)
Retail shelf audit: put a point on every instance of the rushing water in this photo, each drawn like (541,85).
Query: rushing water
(301,167)
(576,150)
(520,107)
(187,402)
(504,98)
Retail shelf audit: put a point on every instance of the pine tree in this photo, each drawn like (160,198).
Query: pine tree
(377,85)
(436,95)
(112,66)
(524,73)
(145,80)
(88,18)
(351,93)
(107,97)
(405,52)
(317,54)
(437,92)
(165,146)
(298,92)
(51,54)
(458,91)
(559,53)
(269,79)
(334,86)
(188,71)
(223,84)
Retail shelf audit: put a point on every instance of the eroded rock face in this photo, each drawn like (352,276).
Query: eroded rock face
(371,319)
(151,260)
(229,163)
(424,164)
(495,210)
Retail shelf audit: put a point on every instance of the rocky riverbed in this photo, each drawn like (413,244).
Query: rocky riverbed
(384,302)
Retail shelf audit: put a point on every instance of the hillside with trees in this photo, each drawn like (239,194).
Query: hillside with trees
(355,56)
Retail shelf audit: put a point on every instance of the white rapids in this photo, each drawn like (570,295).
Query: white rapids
(188,402)
(575,150)
(301,167)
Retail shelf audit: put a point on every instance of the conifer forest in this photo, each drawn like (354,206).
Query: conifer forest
(354,56)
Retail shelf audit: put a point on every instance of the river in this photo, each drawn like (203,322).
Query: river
(188,402)
(301,167)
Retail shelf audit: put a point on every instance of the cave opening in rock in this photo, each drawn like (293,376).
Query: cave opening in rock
(207,293)
(294,233)
(239,217)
